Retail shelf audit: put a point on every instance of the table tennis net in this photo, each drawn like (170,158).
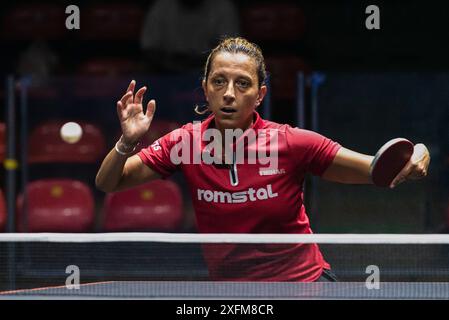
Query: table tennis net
(36,260)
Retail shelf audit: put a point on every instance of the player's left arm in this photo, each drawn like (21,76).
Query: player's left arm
(354,168)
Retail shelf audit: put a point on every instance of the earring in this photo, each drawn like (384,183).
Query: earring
(201,110)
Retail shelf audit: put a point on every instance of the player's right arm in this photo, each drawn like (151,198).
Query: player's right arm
(121,171)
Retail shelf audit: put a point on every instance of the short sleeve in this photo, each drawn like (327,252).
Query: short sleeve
(158,155)
(312,151)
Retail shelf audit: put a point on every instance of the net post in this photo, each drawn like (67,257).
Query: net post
(10,165)
(24,84)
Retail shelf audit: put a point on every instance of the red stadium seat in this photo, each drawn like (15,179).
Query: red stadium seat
(283,74)
(2,141)
(32,20)
(57,205)
(98,86)
(46,145)
(109,67)
(2,212)
(273,22)
(155,206)
(112,21)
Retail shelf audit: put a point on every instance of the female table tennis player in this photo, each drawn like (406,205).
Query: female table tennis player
(242,197)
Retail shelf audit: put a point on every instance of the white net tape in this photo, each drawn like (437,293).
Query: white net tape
(228,238)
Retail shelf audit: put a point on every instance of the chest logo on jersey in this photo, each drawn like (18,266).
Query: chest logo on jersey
(270,172)
(237,197)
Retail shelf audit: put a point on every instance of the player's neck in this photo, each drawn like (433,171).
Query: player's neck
(245,126)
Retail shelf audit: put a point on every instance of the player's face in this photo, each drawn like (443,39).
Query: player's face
(232,90)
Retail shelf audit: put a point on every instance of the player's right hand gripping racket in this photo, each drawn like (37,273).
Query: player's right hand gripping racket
(390,160)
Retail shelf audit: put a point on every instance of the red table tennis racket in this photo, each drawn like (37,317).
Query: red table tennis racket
(390,160)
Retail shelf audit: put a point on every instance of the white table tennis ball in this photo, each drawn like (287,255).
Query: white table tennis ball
(71,132)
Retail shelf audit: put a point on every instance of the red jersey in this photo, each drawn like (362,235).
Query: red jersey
(252,198)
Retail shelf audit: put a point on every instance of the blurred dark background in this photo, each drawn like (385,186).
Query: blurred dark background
(328,73)
(378,84)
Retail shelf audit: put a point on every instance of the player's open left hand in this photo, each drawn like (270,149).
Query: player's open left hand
(133,121)
(416,168)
